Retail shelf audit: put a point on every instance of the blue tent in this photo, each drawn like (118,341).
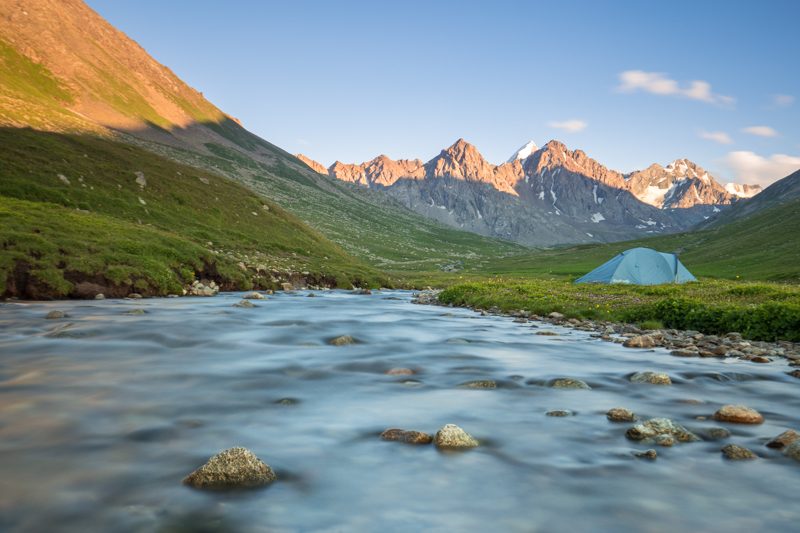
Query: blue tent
(640,266)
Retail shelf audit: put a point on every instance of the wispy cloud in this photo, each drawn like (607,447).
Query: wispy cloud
(761,131)
(752,168)
(658,83)
(717,136)
(571,126)
(782,100)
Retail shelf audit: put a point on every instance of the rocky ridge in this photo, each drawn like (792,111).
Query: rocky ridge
(543,196)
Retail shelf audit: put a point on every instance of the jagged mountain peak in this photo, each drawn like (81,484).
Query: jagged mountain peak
(523,152)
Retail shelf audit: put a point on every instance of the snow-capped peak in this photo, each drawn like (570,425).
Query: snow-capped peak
(523,152)
(743,191)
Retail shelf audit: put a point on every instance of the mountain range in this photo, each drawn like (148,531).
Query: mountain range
(545,196)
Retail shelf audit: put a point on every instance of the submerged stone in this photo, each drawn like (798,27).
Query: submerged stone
(647,454)
(653,378)
(253,295)
(400,372)
(569,383)
(479,384)
(793,450)
(342,340)
(232,468)
(247,304)
(559,412)
(734,452)
(406,436)
(452,436)
(55,314)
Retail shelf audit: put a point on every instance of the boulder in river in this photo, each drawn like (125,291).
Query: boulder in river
(287,286)
(569,383)
(620,414)
(654,378)
(56,314)
(232,468)
(734,452)
(738,414)
(794,373)
(784,439)
(452,436)
(247,304)
(640,341)
(406,436)
(342,340)
(713,434)
(654,427)
(99,296)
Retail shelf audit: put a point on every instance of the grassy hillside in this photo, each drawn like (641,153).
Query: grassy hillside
(77,207)
(366,223)
(763,246)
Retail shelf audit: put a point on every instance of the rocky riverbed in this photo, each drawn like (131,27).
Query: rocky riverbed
(346,411)
(679,343)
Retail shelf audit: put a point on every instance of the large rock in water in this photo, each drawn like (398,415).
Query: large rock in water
(738,414)
(784,439)
(655,428)
(232,468)
(452,436)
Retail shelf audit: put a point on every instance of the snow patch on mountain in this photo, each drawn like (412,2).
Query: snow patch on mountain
(525,150)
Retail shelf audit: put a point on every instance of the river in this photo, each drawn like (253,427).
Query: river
(104,412)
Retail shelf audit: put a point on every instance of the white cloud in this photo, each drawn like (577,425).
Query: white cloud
(659,83)
(717,136)
(751,168)
(572,126)
(782,100)
(761,131)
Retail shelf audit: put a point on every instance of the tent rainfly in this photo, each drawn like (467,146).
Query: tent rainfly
(640,266)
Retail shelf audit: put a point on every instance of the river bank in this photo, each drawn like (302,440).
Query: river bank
(680,343)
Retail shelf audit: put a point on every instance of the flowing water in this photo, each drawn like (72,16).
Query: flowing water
(103,413)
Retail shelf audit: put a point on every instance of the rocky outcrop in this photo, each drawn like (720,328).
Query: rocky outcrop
(452,437)
(681,184)
(316,167)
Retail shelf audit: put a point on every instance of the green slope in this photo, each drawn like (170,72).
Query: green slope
(762,246)
(73,210)
(366,223)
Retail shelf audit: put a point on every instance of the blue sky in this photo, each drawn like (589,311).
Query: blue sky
(618,79)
